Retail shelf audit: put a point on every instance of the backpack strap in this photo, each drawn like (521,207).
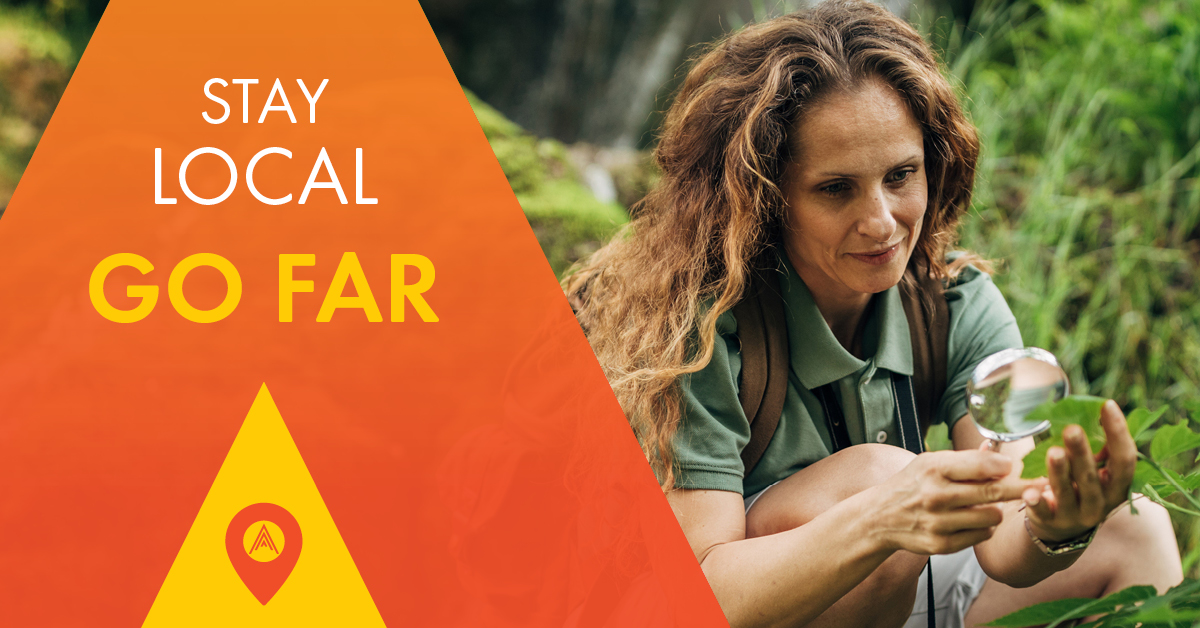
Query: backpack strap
(929,329)
(762,332)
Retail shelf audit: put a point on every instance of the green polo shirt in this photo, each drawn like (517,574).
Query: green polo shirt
(714,430)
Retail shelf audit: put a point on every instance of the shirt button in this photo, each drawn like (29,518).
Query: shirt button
(881,437)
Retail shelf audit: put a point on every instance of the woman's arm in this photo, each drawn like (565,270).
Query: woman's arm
(1078,499)
(783,579)
(939,503)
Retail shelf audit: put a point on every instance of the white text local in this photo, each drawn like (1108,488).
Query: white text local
(329,178)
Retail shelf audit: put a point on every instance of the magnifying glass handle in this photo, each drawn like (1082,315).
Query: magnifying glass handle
(994,445)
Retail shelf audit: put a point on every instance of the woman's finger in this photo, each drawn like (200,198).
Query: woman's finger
(1059,472)
(1083,472)
(1039,503)
(965,494)
(973,465)
(1121,454)
(971,518)
(1037,506)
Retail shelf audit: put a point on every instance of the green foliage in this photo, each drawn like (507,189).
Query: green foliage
(26,28)
(1088,193)
(1140,420)
(1135,606)
(1162,481)
(1172,440)
(1056,612)
(568,220)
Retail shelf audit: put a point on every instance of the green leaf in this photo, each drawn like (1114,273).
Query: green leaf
(1075,608)
(1172,440)
(1163,615)
(1080,410)
(1113,601)
(1044,613)
(1035,461)
(1141,419)
(1146,475)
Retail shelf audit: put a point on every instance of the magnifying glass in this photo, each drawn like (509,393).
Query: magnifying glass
(1009,385)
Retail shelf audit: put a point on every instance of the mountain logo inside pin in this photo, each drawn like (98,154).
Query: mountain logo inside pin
(263,542)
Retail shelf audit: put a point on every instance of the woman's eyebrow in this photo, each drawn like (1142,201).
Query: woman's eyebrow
(843,175)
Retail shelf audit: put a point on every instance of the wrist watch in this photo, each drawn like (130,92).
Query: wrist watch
(1061,548)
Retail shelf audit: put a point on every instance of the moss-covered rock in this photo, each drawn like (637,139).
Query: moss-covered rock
(566,217)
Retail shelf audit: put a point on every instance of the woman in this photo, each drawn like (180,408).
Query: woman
(827,146)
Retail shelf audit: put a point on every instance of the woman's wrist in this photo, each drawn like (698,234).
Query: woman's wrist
(1065,547)
(1048,537)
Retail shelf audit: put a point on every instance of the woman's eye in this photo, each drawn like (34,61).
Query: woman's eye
(834,189)
(900,175)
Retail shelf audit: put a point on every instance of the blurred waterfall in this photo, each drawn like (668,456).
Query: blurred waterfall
(594,71)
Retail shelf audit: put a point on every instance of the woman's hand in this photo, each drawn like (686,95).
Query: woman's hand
(1079,495)
(946,501)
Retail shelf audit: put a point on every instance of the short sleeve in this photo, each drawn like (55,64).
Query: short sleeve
(714,428)
(980,324)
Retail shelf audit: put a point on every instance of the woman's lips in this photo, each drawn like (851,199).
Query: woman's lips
(878,258)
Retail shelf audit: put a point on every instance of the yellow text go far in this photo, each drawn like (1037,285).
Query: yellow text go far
(349,271)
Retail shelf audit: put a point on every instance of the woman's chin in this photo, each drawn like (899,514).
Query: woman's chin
(874,279)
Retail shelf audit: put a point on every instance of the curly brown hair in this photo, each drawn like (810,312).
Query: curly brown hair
(650,299)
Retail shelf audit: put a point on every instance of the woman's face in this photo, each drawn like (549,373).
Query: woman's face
(856,192)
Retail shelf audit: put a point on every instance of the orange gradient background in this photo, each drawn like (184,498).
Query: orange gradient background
(478,468)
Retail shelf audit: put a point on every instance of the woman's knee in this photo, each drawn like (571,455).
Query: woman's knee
(868,465)
(818,487)
(1148,535)
(1149,529)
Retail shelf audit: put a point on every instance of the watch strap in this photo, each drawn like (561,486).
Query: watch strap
(1062,548)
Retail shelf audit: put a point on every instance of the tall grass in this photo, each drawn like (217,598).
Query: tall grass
(1089,115)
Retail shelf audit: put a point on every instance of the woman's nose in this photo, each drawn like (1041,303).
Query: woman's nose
(876,220)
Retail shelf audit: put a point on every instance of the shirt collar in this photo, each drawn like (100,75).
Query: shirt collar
(817,358)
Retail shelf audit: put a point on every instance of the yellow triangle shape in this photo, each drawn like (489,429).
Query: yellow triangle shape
(203,588)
